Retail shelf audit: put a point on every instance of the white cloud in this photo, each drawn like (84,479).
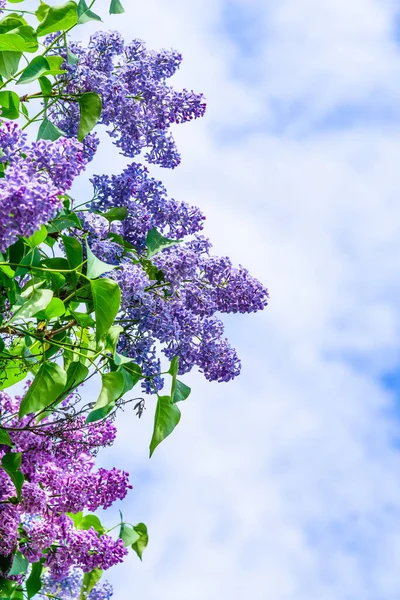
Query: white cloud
(284,484)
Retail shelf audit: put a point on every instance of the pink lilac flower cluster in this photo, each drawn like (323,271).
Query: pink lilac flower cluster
(35,175)
(138,104)
(58,467)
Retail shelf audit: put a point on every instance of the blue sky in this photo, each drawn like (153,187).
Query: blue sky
(285,484)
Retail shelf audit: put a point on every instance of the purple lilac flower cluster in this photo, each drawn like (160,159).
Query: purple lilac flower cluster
(70,587)
(138,105)
(58,466)
(35,175)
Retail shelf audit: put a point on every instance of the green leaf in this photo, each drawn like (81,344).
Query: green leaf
(12,42)
(5,438)
(49,131)
(83,319)
(89,581)
(19,564)
(85,14)
(9,62)
(63,222)
(112,337)
(128,535)
(106,299)
(9,102)
(77,372)
(112,388)
(90,105)
(45,86)
(34,581)
(181,392)
(119,213)
(116,7)
(166,418)
(95,266)
(11,463)
(132,373)
(140,545)
(14,372)
(38,237)
(39,300)
(37,67)
(41,11)
(156,242)
(89,521)
(72,59)
(48,384)
(73,250)
(59,18)
(56,308)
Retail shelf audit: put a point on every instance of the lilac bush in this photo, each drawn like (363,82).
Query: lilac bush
(121,287)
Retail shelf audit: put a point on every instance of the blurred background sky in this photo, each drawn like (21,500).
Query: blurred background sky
(285,484)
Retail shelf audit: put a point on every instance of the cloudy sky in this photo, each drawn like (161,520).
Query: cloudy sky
(285,484)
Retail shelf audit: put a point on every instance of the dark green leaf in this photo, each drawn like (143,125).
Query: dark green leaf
(9,102)
(112,337)
(58,18)
(95,266)
(5,438)
(34,581)
(45,86)
(48,384)
(106,299)
(34,70)
(112,388)
(181,392)
(166,419)
(11,463)
(9,62)
(73,250)
(85,14)
(156,242)
(19,564)
(49,131)
(89,581)
(90,105)
(143,540)
(119,213)
(128,535)
(116,7)
(77,372)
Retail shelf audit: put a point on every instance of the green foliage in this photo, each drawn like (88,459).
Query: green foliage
(19,564)
(11,463)
(156,242)
(34,581)
(89,581)
(112,388)
(90,105)
(85,14)
(9,102)
(57,18)
(47,386)
(167,417)
(143,539)
(116,7)
(106,300)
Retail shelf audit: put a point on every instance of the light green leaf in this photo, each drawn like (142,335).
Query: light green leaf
(9,103)
(56,308)
(140,545)
(34,581)
(12,372)
(85,14)
(89,521)
(46,87)
(90,105)
(41,11)
(39,300)
(112,388)
(19,565)
(72,59)
(5,438)
(59,18)
(95,266)
(37,67)
(128,535)
(45,389)
(166,418)
(38,237)
(88,583)
(9,62)
(49,131)
(118,213)
(156,242)
(116,7)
